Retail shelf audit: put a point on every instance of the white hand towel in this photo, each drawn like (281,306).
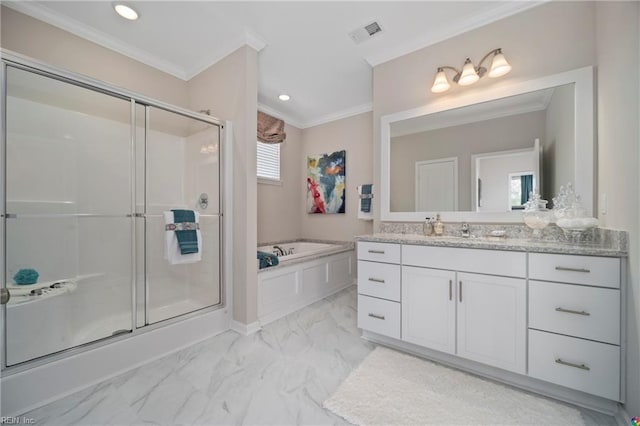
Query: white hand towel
(171,247)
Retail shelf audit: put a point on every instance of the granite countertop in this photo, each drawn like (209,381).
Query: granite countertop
(495,243)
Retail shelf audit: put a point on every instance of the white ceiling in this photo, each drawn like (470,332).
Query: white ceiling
(304,46)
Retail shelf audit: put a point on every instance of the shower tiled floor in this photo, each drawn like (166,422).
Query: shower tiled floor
(278,376)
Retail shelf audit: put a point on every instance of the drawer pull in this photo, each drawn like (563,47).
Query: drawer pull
(450,289)
(460,292)
(571,311)
(376,316)
(570,364)
(376,280)
(376,251)
(563,268)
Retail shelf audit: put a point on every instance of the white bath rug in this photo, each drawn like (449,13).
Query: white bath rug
(392,388)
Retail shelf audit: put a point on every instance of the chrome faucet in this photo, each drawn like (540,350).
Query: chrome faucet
(278,251)
(465,230)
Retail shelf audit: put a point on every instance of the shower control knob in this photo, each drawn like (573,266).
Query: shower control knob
(203,202)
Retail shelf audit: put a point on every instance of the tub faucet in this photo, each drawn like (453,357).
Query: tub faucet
(465,230)
(279,251)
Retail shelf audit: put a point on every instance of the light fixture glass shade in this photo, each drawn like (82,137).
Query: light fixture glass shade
(468,75)
(499,66)
(203,149)
(126,11)
(440,84)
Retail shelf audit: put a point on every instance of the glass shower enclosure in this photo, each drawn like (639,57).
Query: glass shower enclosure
(90,177)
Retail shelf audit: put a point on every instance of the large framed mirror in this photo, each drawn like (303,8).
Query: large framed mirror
(477,157)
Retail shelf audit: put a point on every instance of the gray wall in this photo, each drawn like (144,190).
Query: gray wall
(352,134)
(618,52)
(279,215)
(559,143)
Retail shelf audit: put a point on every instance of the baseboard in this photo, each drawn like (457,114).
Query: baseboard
(622,417)
(245,329)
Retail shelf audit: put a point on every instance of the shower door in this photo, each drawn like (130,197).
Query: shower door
(89,176)
(182,170)
(68,215)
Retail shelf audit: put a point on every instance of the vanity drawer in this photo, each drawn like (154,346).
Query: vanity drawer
(588,312)
(379,316)
(493,262)
(379,252)
(587,270)
(379,280)
(584,365)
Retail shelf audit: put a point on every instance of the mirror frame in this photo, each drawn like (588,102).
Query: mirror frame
(584,148)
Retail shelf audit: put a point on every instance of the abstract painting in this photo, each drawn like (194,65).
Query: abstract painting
(326,183)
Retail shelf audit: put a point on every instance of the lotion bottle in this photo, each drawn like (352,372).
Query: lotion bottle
(438,227)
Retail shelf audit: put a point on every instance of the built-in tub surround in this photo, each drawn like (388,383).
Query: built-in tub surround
(302,250)
(303,277)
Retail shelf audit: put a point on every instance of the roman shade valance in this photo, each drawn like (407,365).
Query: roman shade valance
(270,129)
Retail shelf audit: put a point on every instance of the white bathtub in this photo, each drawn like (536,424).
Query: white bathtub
(299,249)
(312,272)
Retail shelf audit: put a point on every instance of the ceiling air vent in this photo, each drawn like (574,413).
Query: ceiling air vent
(365,33)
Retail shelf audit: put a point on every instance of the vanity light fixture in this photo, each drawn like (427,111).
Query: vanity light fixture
(470,73)
(284,97)
(126,11)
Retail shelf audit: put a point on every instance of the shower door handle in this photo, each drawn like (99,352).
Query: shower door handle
(4,296)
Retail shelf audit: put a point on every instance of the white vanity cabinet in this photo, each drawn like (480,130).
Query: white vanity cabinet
(462,309)
(379,288)
(552,317)
(429,308)
(574,322)
(492,315)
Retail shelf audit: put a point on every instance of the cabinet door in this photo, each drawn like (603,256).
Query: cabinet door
(492,320)
(429,308)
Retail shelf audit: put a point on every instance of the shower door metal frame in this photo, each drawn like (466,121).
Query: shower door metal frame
(15,60)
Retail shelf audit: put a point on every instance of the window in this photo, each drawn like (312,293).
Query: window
(269,161)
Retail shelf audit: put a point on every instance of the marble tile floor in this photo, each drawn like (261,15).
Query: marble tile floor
(278,376)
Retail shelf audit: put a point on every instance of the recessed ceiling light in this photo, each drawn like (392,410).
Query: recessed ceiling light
(284,97)
(125,11)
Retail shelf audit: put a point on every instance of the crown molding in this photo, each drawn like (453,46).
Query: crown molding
(73,26)
(323,119)
(43,13)
(247,39)
(339,115)
(253,40)
(505,10)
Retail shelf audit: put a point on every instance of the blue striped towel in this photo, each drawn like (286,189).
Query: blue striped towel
(365,203)
(187,240)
